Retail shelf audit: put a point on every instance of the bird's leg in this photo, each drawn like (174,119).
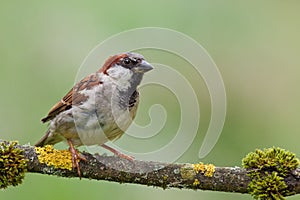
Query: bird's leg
(118,153)
(76,157)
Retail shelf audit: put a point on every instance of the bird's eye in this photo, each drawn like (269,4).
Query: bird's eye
(126,61)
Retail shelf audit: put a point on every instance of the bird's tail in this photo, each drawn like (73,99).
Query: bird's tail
(48,139)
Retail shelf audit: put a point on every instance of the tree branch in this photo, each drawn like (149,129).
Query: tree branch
(164,175)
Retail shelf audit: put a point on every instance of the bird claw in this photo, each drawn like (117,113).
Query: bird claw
(127,157)
(76,157)
(118,153)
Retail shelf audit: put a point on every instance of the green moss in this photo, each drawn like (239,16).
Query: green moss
(267,169)
(269,186)
(13,165)
(273,159)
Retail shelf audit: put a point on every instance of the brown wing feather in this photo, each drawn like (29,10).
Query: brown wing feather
(73,97)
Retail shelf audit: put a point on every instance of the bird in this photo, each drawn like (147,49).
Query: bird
(99,108)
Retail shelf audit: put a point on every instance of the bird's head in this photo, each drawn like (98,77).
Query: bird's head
(126,68)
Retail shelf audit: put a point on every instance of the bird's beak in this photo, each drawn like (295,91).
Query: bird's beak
(143,67)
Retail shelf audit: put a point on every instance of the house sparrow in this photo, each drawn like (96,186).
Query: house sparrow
(99,108)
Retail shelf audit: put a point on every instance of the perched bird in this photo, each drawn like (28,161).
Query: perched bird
(99,108)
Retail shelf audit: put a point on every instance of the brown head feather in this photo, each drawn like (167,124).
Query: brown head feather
(111,61)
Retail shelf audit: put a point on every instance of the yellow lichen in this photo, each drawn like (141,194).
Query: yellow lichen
(187,172)
(200,167)
(207,169)
(210,169)
(196,182)
(61,159)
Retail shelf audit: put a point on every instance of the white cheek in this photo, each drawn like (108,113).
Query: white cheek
(121,76)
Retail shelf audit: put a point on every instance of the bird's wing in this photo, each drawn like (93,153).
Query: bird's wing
(73,97)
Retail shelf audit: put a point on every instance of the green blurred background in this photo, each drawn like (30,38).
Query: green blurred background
(255,44)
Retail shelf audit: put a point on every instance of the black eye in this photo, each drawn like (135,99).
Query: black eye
(126,61)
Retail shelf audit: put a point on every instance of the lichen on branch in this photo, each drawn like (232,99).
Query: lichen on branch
(269,174)
(61,159)
(13,164)
(267,169)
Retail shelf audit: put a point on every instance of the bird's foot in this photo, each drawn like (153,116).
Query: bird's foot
(118,153)
(76,157)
